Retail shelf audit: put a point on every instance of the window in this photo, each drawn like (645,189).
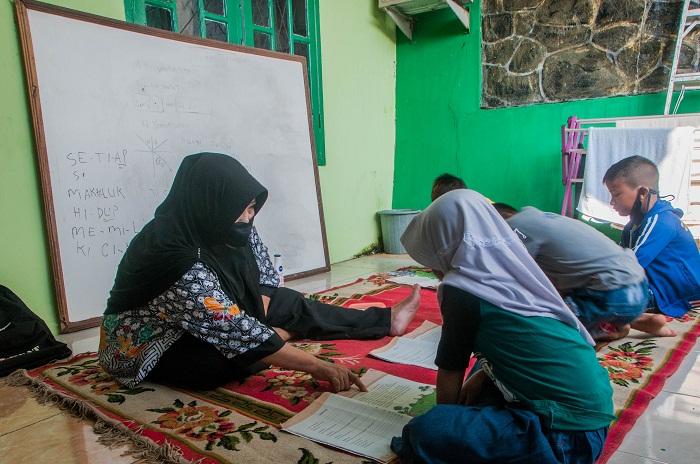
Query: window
(287,26)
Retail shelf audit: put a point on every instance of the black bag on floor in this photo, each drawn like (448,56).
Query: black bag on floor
(25,340)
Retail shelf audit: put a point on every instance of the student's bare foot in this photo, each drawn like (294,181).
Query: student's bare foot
(654,324)
(403,313)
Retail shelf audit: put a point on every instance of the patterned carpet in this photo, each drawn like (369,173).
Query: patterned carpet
(240,422)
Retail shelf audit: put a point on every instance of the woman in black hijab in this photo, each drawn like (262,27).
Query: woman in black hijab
(186,307)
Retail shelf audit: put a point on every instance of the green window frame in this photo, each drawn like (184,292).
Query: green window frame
(241,29)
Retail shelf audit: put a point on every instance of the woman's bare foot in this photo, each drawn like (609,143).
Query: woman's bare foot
(403,313)
(654,324)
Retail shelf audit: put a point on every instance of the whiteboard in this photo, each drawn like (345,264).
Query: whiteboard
(116,108)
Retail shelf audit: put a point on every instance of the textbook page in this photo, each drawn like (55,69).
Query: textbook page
(350,425)
(387,392)
(395,393)
(417,348)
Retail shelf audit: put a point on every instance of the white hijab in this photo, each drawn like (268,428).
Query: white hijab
(461,235)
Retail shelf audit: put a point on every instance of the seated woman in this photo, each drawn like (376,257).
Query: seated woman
(186,307)
(538,394)
(323,321)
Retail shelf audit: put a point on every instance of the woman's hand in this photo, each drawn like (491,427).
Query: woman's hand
(341,378)
(289,357)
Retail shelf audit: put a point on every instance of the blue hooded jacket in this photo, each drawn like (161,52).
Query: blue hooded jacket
(667,252)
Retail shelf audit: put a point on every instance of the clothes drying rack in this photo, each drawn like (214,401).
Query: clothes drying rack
(573,149)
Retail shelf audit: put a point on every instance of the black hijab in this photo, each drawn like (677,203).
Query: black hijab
(209,193)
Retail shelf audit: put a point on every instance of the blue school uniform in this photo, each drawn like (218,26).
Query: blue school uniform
(667,252)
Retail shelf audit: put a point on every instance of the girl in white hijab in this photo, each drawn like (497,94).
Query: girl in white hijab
(538,393)
(463,237)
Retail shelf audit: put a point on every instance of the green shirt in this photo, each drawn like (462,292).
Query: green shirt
(543,362)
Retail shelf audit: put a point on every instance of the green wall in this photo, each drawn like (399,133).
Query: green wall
(358,61)
(510,155)
(24,258)
(358,54)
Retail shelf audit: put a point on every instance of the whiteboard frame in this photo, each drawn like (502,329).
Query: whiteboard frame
(21,8)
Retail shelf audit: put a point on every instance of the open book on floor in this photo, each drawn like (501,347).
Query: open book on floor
(364,423)
(412,276)
(418,347)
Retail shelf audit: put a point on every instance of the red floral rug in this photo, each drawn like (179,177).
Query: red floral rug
(638,368)
(240,422)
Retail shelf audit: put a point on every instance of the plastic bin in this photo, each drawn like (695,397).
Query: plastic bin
(394,223)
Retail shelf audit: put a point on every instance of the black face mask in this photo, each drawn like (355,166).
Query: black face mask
(637,214)
(239,233)
(638,211)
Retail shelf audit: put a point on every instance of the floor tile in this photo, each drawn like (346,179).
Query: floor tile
(381,262)
(627,458)
(19,409)
(82,341)
(686,380)
(59,439)
(668,430)
(347,271)
(338,275)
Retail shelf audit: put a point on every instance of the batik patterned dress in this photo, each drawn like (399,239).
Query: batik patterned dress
(268,274)
(132,342)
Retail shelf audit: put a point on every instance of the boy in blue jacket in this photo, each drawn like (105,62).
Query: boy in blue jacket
(663,245)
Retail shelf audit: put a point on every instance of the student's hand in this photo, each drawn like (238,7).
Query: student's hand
(341,378)
(472,387)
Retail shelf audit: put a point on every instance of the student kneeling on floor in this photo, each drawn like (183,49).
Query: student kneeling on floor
(663,245)
(538,394)
(601,282)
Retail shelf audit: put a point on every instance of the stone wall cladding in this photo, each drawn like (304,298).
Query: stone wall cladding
(536,51)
